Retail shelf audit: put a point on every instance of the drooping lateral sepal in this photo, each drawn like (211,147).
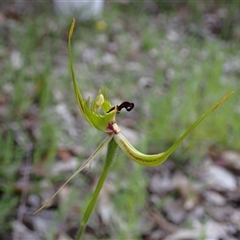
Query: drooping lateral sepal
(156,159)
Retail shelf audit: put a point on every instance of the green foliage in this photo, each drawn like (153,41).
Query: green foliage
(10,159)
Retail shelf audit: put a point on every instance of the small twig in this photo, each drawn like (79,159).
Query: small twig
(162,222)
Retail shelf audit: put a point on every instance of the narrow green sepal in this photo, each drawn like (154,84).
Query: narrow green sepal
(91,111)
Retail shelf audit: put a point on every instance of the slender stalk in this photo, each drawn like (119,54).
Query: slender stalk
(111,153)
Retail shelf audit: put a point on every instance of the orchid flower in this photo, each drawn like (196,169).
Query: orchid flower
(101,114)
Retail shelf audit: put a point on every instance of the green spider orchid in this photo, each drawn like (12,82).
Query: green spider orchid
(101,114)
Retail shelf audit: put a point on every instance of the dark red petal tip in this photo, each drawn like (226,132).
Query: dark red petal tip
(127,105)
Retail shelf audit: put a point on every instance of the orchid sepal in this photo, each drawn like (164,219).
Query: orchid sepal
(157,159)
(96,112)
(101,146)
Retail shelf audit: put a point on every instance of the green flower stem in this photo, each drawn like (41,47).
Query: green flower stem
(111,153)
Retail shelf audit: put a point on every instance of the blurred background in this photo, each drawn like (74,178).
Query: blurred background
(174,60)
